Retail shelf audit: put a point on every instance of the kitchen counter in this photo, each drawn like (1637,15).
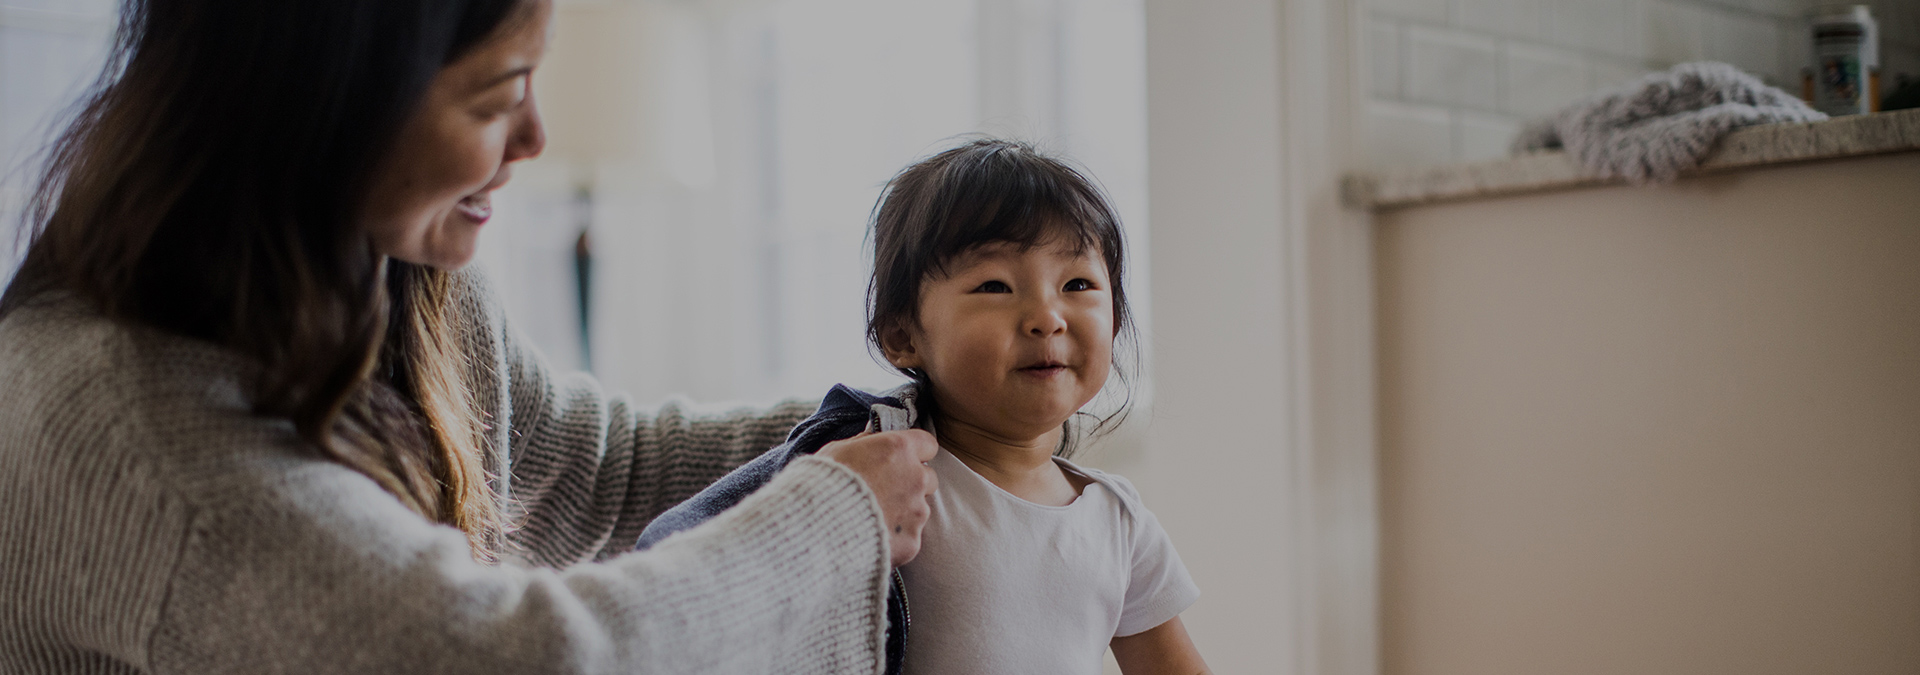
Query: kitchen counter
(1764,145)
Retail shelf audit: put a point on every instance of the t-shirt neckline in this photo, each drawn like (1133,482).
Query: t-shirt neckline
(1001,492)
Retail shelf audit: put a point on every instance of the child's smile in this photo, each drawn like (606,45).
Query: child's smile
(1045,368)
(1014,341)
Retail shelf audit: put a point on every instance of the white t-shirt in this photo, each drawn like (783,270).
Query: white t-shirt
(1003,585)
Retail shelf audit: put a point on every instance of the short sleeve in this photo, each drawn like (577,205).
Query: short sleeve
(1160,587)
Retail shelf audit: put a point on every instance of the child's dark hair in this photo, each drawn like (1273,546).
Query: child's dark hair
(989,191)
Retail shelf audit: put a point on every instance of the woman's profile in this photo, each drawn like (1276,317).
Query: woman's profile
(257,419)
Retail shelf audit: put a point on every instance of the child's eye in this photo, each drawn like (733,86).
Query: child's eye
(1079,285)
(993,287)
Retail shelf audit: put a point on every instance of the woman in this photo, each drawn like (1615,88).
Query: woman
(253,422)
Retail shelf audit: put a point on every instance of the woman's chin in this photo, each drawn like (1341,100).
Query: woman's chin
(451,258)
(455,242)
(452,263)
(441,255)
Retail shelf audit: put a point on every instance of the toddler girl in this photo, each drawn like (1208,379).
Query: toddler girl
(997,288)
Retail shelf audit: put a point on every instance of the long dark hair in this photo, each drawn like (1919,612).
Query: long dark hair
(991,190)
(210,186)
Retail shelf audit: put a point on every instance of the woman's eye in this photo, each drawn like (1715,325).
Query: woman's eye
(1079,285)
(495,109)
(502,102)
(993,287)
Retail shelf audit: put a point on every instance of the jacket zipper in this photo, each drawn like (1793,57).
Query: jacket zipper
(906,614)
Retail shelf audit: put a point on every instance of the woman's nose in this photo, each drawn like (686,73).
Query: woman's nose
(529,135)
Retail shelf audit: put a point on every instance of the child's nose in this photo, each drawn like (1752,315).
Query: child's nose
(1044,321)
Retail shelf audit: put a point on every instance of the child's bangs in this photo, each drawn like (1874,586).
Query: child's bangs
(1023,205)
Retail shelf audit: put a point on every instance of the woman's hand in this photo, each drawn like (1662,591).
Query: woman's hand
(894,464)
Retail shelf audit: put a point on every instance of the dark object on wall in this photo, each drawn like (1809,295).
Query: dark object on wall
(583,270)
(1904,96)
(583,282)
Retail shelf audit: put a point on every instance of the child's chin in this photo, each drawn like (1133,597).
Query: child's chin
(1045,415)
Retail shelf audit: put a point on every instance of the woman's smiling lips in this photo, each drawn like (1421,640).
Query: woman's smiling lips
(477,208)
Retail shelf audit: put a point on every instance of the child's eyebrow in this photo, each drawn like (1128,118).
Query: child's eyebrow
(983,252)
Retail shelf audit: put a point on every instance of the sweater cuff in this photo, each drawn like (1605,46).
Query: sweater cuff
(831,522)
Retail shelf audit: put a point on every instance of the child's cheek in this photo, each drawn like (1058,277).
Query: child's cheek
(975,360)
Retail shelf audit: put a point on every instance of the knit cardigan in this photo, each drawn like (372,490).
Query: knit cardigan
(150,522)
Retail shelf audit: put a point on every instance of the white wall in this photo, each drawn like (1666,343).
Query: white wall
(49,51)
(1453,80)
(1260,450)
(1219,467)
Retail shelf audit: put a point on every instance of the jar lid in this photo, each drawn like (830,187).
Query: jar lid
(1841,14)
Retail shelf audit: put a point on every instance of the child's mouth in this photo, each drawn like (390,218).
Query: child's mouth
(1048,369)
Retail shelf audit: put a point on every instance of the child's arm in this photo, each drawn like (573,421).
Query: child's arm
(1161,650)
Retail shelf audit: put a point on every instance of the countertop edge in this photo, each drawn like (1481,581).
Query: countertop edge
(1757,146)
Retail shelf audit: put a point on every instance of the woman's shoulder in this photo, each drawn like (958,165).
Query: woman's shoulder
(61,347)
(90,394)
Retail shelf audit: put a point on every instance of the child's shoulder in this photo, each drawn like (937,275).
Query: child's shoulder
(1115,483)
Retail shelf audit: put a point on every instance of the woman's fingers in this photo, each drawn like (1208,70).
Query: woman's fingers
(894,464)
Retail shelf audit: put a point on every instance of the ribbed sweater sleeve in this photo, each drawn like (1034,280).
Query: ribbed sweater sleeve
(154,524)
(587,470)
(590,470)
(330,575)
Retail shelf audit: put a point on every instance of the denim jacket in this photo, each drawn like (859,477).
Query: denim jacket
(845,412)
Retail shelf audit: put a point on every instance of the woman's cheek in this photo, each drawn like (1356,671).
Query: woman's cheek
(468,166)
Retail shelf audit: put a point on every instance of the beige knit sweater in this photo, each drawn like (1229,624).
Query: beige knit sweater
(149,523)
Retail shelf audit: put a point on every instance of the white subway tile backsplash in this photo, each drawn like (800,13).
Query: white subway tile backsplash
(1796,52)
(1783,9)
(1895,62)
(1607,26)
(1541,81)
(1478,136)
(1899,21)
(1452,67)
(1608,75)
(1674,32)
(1383,58)
(1452,79)
(1400,135)
(1752,44)
(1426,10)
(1511,18)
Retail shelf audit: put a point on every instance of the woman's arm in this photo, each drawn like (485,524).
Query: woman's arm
(1161,650)
(586,470)
(589,470)
(314,569)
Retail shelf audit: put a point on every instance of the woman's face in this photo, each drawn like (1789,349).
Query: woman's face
(432,194)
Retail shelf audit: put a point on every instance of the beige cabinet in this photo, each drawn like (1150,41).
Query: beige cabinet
(1655,430)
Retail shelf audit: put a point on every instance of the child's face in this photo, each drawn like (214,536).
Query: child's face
(1013,341)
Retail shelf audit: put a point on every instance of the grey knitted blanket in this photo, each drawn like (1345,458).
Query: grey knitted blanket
(1651,130)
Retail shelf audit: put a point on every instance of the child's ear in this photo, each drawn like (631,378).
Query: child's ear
(897,344)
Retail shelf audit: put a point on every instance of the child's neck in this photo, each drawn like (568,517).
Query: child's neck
(1024,467)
